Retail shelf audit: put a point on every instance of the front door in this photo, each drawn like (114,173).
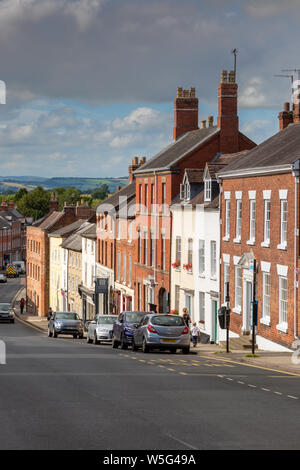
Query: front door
(247,318)
(214,321)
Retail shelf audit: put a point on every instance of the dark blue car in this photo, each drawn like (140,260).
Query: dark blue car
(124,327)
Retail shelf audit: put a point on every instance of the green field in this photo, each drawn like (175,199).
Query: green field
(82,184)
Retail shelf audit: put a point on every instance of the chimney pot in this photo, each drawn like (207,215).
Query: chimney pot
(193,92)
(210,121)
(179,92)
(224,76)
(286,106)
(203,124)
(231,76)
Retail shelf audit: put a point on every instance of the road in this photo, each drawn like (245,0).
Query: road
(65,394)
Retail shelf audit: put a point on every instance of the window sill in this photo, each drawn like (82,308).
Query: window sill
(265,244)
(237,310)
(226,238)
(189,272)
(265,321)
(236,240)
(213,278)
(283,327)
(250,242)
(281,246)
(202,275)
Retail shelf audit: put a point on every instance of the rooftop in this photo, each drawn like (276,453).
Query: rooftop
(169,156)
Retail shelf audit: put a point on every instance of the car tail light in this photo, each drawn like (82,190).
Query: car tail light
(151,329)
(186,331)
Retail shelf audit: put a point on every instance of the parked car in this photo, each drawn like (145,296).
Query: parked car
(101,329)
(66,323)
(3,278)
(124,327)
(162,331)
(7,313)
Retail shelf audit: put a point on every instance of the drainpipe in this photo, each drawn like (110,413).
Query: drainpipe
(296,176)
(155,226)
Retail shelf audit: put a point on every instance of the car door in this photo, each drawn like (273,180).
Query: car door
(141,328)
(118,327)
(92,327)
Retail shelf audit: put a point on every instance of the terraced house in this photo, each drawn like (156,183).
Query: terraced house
(158,184)
(261,220)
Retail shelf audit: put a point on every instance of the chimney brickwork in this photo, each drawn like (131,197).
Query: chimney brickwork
(185,112)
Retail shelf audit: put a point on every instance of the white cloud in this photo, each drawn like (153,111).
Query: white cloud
(252,94)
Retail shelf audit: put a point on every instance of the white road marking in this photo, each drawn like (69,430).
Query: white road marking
(182,442)
(291,396)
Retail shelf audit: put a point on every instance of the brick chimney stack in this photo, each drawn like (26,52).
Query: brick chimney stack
(285,117)
(228,121)
(54,203)
(135,164)
(185,112)
(4,206)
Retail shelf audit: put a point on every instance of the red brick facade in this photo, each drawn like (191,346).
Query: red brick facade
(262,188)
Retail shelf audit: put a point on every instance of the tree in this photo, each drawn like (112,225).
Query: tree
(101,192)
(35,203)
(20,193)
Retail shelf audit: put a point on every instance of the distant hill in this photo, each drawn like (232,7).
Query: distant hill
(13,183)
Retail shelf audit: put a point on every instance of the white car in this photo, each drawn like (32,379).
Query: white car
(3,278)
(101,329)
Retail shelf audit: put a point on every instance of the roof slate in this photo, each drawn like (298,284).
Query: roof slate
(176,150)
(282,148)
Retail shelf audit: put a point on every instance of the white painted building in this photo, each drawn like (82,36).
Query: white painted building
(89,271)
(195,250)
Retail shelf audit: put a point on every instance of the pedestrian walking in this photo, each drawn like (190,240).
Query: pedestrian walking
(50,313)
(22,305)
(186,317)
(195,334)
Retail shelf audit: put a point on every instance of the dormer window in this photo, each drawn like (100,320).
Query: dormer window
(207,190)
(185,192)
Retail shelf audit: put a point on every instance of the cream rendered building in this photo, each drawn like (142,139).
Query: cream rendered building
(56,263)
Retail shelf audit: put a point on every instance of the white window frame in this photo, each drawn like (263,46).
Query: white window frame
(207,190)
(267,223)
(283,225)
(202,307)
(201,258)
(227,220)
(252,222)
(213,259)
(266,298)
(282,303)
(238,226)
(226,277)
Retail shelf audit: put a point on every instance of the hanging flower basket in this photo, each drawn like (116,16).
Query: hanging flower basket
(176,264)
(174,312)
(188,267)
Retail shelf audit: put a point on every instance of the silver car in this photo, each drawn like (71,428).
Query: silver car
(66,323)
(100,329)
(7,313)
(162,331)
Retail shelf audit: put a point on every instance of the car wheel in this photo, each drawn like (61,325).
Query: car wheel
(115,343)
(88,339)
(95,341)
(54,334)
(134,346)
(173,351)
(145,346)
(49,333)
(81,336)
(123,344)
(186,350)
(75,336)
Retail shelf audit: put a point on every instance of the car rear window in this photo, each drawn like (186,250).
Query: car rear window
(134,317)
(167,320)
(67,316)
(106,320)
(4,307)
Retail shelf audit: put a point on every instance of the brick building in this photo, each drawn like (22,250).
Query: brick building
(260,220)
(12,234)
(113,247)
(37,273)
(158,183)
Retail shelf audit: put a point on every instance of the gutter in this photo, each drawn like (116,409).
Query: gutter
(266,170)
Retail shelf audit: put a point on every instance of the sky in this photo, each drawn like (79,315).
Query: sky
(90,83)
